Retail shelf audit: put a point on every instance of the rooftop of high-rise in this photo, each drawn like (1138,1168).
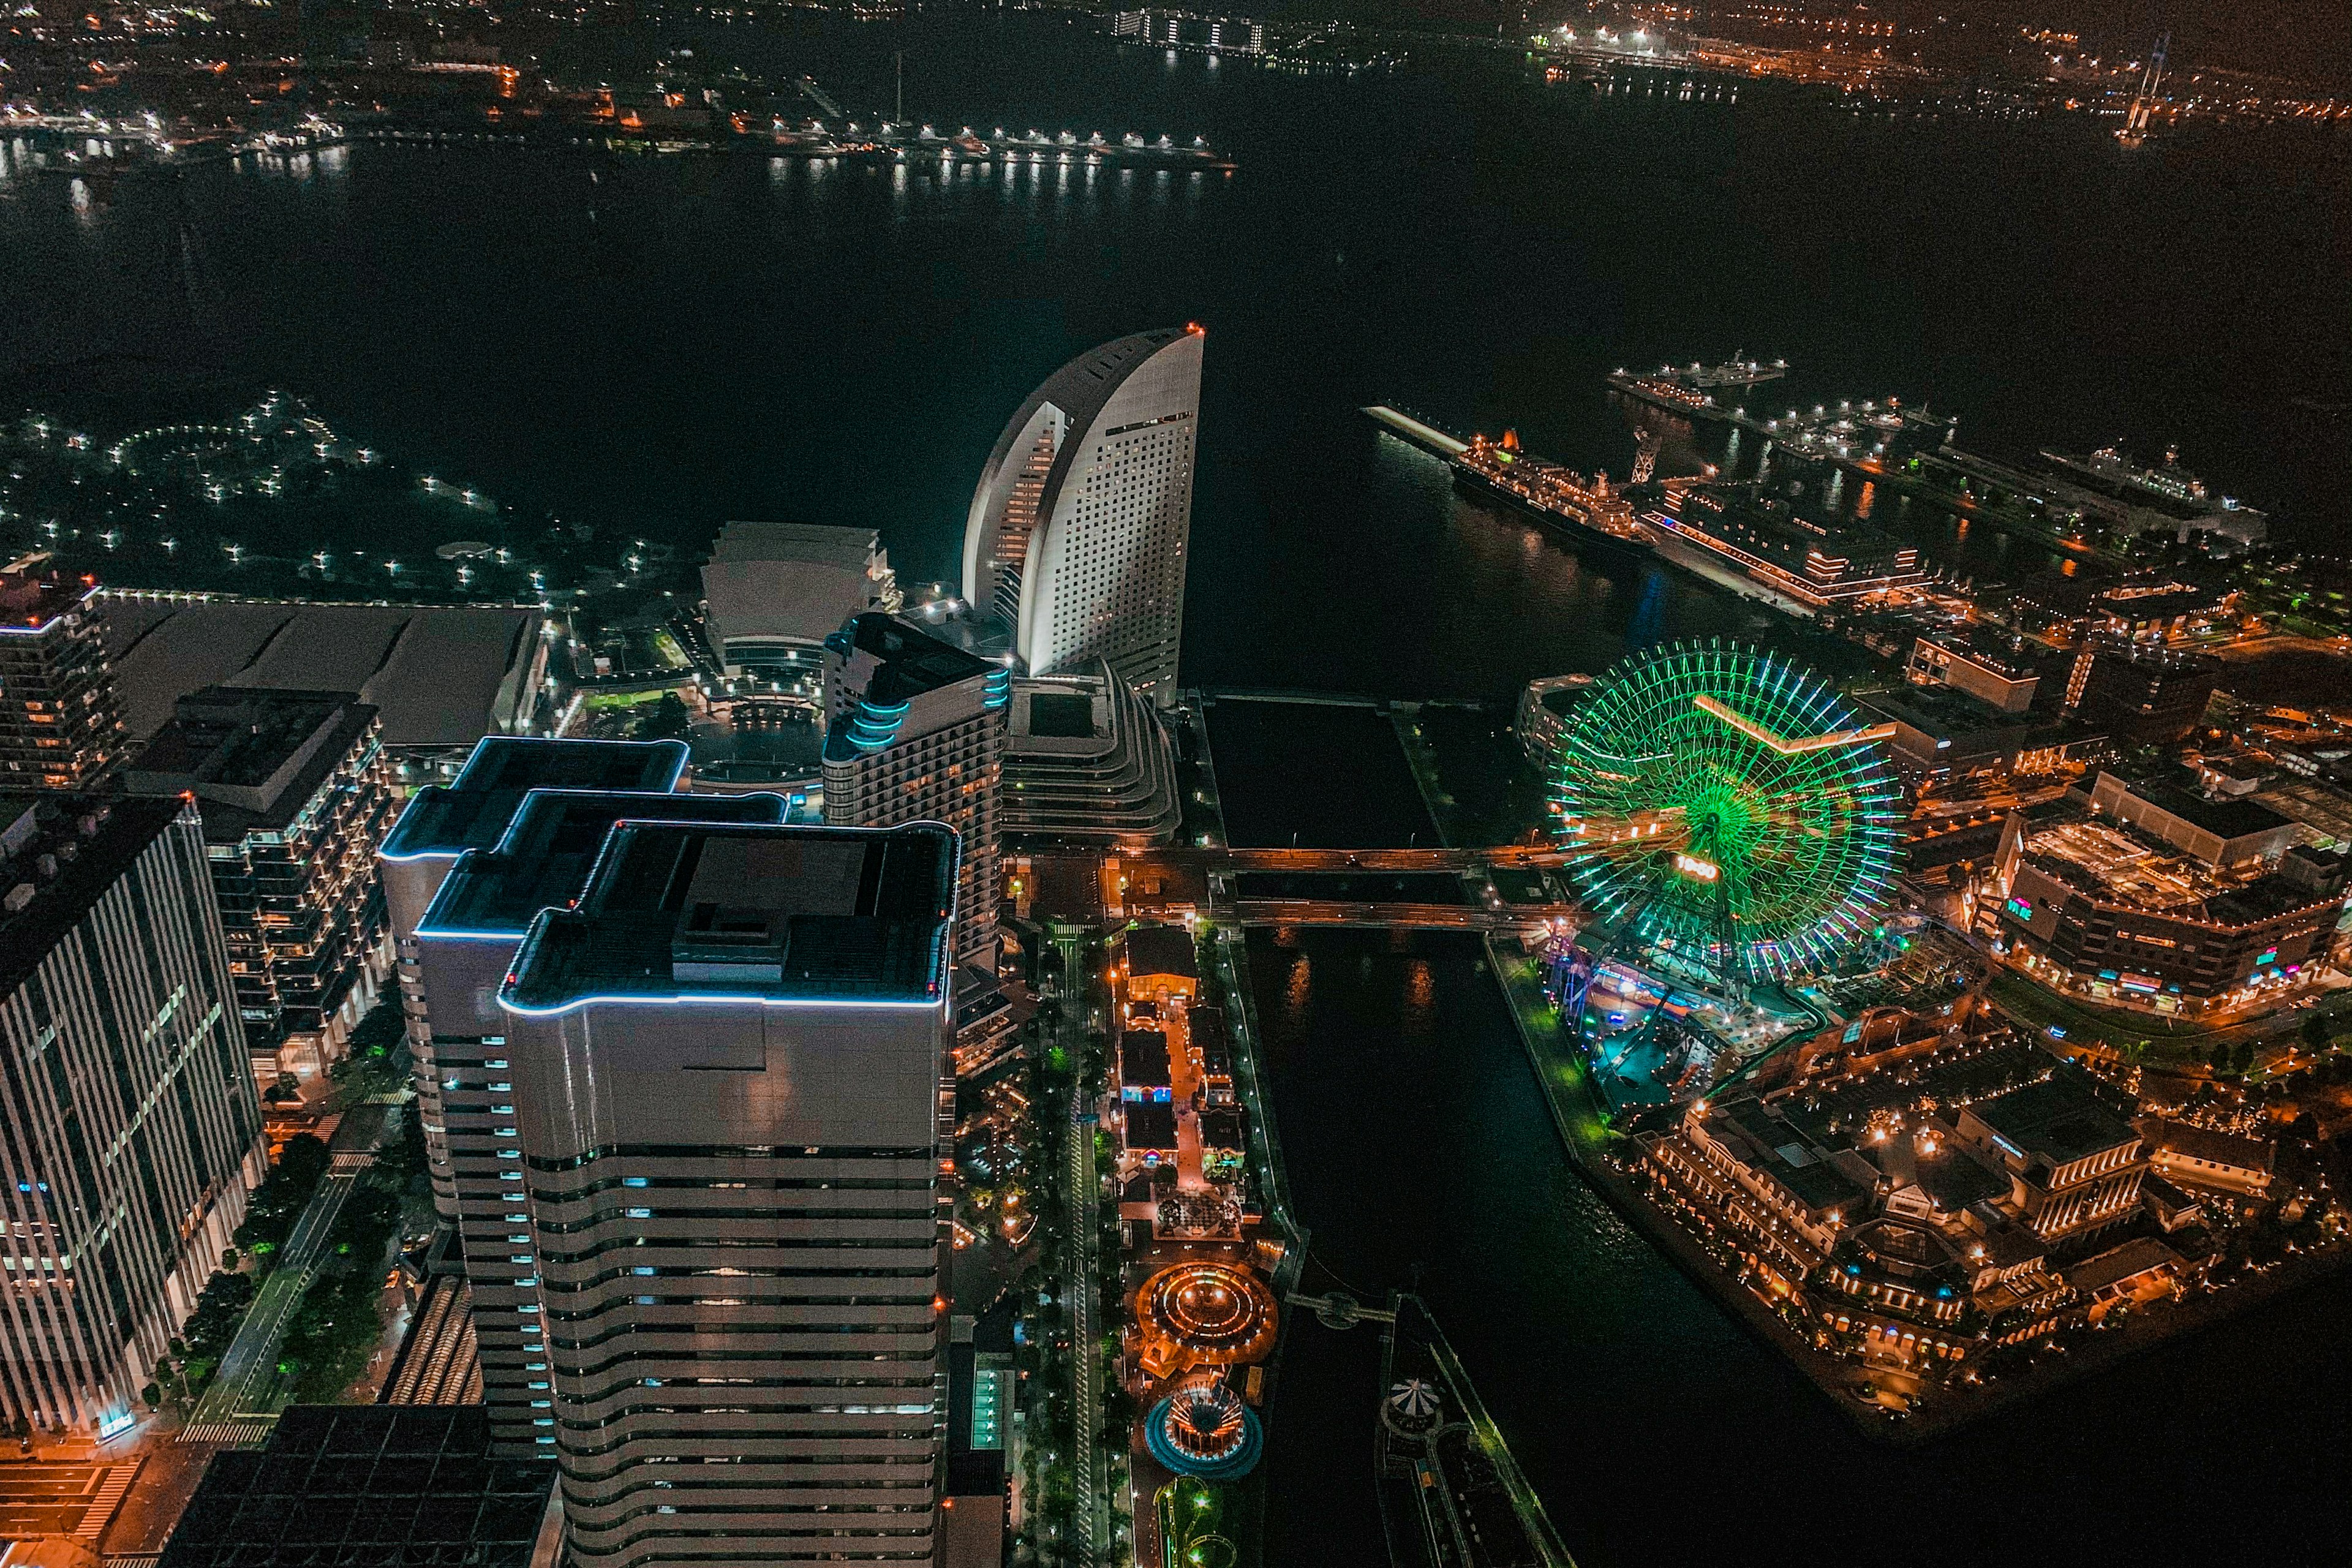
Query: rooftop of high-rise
(58,855)
(474,810)
(30,598)
(253,756)
(548,854)
(696,911)
(899,662)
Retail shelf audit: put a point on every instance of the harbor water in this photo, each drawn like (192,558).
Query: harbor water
(655,345)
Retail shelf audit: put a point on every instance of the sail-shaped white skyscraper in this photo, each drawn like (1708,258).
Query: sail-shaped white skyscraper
(1078,532)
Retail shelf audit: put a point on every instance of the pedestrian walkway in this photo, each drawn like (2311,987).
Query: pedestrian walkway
(1085,1363)
(101,1507)
(230,1433)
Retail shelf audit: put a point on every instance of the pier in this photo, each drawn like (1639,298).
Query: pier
(1428,437)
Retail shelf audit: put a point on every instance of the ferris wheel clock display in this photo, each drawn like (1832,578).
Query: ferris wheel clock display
(1725,806)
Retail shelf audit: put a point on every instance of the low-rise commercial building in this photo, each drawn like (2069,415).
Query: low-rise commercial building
(2220,829)
(439,677)
(2204,1157)
(2108,910)
(775,591)
(2074,1161)
(2141,1270)
(1162,963)
(1983,668)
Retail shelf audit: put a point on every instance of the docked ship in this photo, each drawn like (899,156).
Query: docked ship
(1733,371)
(1587,510)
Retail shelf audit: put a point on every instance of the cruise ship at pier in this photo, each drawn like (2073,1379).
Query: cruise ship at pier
(1584,509)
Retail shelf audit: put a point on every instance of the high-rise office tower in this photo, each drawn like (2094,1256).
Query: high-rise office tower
(60,720)
(464,945)
(1076,538)
(297,796)
(915,732)
(726,1064)
(129,1130)
(473,811)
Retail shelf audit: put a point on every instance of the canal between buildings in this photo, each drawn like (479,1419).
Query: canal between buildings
(1420,1154)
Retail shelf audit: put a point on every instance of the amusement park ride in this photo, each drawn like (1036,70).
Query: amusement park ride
(1723,809)
(1732,828)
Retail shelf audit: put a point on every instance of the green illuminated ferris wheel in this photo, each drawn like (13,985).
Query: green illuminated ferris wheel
(1724,805)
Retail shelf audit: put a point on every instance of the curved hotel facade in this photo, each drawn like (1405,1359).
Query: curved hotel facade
(1077,533)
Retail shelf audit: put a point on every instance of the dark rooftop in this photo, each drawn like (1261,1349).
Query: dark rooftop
(32,600)
(1161,950)
(2265,899)
(2060,1118)
(1224,1127)
(911,661)
(749,912)
(2155,656)
(366,1486)
(549,850)
(2228,818)
(1148,1124)
(253,756)
(1143,1058)
(87,863)
(908,663)
(1946,711)
(1987,650)
(473,810)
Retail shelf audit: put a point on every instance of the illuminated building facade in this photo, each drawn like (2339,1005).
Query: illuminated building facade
(134,1133)
(1816,562)
(1184,30)
(297,796)
(915,732)
(462,948)
(1540,724)
(1078,535)
(2141,693)
(2074,1161)
(727,1065)
(2113,912)
(60,720)
(1997,678)
(473,811)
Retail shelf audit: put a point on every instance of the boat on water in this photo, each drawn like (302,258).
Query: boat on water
(1588,510)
